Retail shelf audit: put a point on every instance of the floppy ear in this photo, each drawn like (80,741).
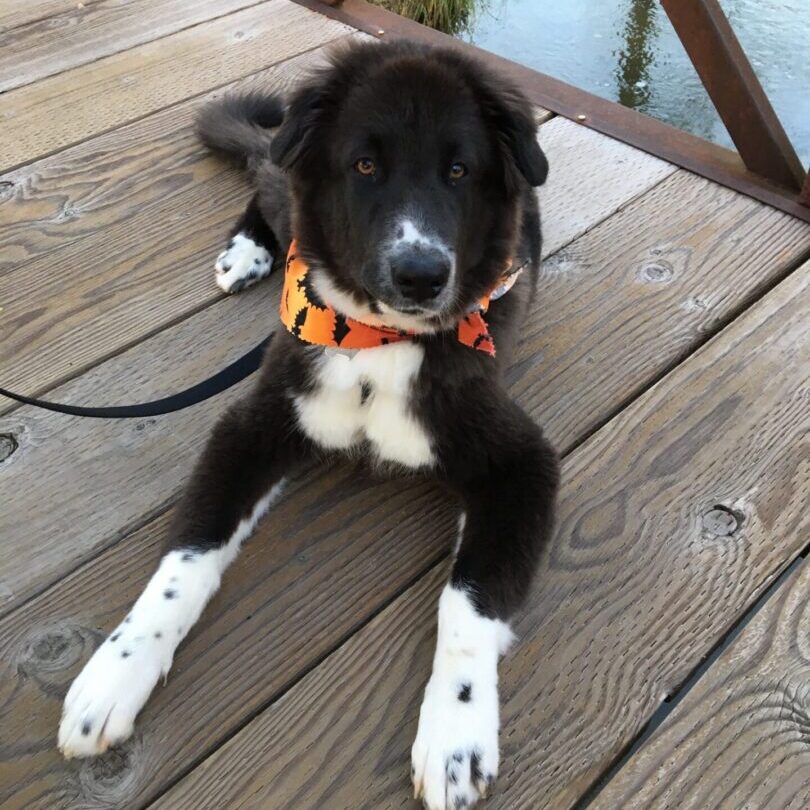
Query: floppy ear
(510,113)
(301,121)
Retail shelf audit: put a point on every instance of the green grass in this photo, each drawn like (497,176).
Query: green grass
(450,16)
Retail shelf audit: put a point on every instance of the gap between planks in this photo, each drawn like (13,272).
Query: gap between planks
(615,769)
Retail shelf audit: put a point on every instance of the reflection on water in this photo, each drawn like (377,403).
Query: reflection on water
(636,55)
(627,50)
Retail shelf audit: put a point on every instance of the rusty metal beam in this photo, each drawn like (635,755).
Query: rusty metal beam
(804,198)
(734,89)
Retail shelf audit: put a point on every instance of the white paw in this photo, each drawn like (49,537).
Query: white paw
(103,701)
(454,760)
(242,264)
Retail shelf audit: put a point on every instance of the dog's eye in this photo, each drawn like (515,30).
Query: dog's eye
(457,171)
(365,166)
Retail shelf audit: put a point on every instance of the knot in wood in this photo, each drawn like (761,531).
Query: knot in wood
(721,521)
(110,779)
(8,444)
(657,272)
(48,654)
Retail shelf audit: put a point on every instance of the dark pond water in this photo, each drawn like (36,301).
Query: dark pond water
(627,51)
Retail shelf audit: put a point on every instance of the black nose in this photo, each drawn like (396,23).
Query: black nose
(420,275)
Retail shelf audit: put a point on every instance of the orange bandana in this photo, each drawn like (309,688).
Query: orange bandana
(313,321)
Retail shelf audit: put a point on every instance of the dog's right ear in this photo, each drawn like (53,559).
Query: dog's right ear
(302,120)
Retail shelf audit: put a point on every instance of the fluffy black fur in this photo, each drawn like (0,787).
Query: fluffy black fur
(413,112)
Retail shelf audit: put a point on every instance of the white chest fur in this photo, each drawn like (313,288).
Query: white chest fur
(365,395)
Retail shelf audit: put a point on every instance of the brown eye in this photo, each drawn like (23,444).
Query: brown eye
(457,171)
(365,166)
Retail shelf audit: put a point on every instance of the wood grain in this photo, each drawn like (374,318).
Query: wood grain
(139,249)
(14,13)
(631,595)
(359,527)
(102,182)
(589,175)
(739,738)
(110,92)
(116,474)
(84,34)
(633,296)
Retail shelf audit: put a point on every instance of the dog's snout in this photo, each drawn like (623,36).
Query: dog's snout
(420,275)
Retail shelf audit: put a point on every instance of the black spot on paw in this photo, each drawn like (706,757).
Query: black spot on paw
(158,634)
(126,654)
(188,556)
(115,636)
(475,768)
(452,776)
(86,726)
(128,619)
(461,802)
(365,392)
(465,693)
(170,594)
(458,757)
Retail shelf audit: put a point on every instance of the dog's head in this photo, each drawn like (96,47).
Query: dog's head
(407,165)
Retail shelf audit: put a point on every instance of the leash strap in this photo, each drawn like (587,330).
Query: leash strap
(222,380)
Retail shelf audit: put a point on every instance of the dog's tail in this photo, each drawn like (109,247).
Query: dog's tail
(237,124)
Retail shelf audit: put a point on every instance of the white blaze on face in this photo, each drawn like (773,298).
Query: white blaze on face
(407,232)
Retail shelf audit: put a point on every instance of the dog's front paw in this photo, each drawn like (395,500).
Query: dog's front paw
(454,760)
(242,264)
(103,701)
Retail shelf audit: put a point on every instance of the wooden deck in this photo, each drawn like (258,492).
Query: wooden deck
(672,371)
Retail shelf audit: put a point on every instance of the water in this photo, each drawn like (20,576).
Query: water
(627,51)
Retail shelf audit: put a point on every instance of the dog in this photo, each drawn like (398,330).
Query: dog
(398,194)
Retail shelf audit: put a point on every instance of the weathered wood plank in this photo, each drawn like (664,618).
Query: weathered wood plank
(632,593)
(589,175)
(739,738)
(104,181)
(641,291)
(107,93)
(14,13)
(375,517)
(85,33)
(116,473)
(142,261)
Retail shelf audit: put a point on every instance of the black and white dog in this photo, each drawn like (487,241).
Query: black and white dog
(403,175)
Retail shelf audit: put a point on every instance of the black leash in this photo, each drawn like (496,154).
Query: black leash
(222,380)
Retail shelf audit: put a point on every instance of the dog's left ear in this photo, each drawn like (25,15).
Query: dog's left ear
(510,114)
